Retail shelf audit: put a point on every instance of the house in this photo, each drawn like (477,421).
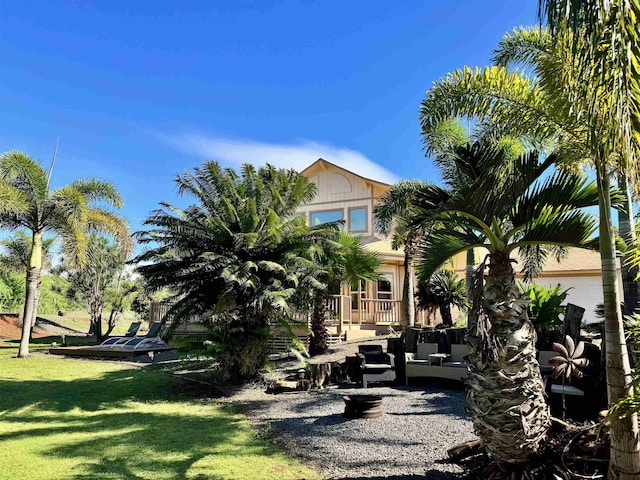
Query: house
(374,307)
(347,196)
(344,195)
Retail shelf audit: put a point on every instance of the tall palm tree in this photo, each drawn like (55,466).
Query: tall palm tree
(607,92)
(69,212)
(17,250)
(234,258)
(343,261)
(393,214)
(502,212)
(554,105)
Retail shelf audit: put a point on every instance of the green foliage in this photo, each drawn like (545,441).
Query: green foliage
(71,213)
(236,258)
(546,304)
(503,212)
(90,283)
(56,295)
(442,290)
(344,260)
(630,403)
(11,291)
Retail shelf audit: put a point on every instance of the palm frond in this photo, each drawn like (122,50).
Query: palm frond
(94,190)
(441,245)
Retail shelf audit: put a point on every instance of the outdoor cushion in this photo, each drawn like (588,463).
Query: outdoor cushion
(458,352)
(454,364)
(371,366)
(426,349)
(419,362)
(371,353)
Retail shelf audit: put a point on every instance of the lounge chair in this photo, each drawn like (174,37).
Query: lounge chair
(131,333)
(376,365)
(151,338)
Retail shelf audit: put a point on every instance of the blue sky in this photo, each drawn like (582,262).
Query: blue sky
(139,91)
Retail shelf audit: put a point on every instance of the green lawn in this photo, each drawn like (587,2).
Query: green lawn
(79,419)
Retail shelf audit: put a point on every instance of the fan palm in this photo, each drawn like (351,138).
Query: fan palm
(442,290)
(234,258)
(343,261)
(17,250)
(393,213)
(502,212)
(69,212)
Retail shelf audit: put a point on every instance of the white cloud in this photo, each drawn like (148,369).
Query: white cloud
(298,156)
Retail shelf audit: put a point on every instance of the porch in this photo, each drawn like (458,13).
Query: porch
(367,318)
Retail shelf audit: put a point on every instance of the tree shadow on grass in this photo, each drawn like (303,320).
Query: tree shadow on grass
(91,422)
(89,394)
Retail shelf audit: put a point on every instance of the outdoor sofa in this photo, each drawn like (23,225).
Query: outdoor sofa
(428,363)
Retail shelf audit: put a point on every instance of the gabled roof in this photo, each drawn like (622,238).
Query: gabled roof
(322,165)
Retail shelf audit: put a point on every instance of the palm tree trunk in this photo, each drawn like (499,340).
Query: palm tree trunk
(35,309)
(409,290)
(471,261)
(408,315)
(319,340)
(32,280)
(445,313)
(626,225)
(505,392)
(625,449)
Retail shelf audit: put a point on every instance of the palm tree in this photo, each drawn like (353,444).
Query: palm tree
(344,261)
(393,214)
(554,105)
(69,212)
(448,142)
(607,92)
(234,258)
(17,250)
(442,290)
(502,212)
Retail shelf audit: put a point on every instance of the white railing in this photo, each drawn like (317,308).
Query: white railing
(371,311)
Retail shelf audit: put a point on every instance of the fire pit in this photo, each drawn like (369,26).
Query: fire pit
(362,406)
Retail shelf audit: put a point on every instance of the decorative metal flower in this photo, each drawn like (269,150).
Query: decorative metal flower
(568,362)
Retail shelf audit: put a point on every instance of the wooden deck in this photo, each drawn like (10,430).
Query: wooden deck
(98,351)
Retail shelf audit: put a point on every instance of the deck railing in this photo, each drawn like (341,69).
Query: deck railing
(371,311)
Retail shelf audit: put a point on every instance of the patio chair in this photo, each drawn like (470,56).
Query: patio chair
(376,365)
(131,333)
(151,338)
(572,321)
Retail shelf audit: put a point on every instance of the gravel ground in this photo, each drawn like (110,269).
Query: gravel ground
(408,442)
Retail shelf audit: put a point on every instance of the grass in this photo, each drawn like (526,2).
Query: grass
(77,419)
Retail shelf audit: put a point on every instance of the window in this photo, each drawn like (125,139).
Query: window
(318,218)
(356,291)
(358,219)
(384,287)
(384,291)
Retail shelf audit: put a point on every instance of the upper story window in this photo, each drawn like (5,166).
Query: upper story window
(318,218)
(358,219)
